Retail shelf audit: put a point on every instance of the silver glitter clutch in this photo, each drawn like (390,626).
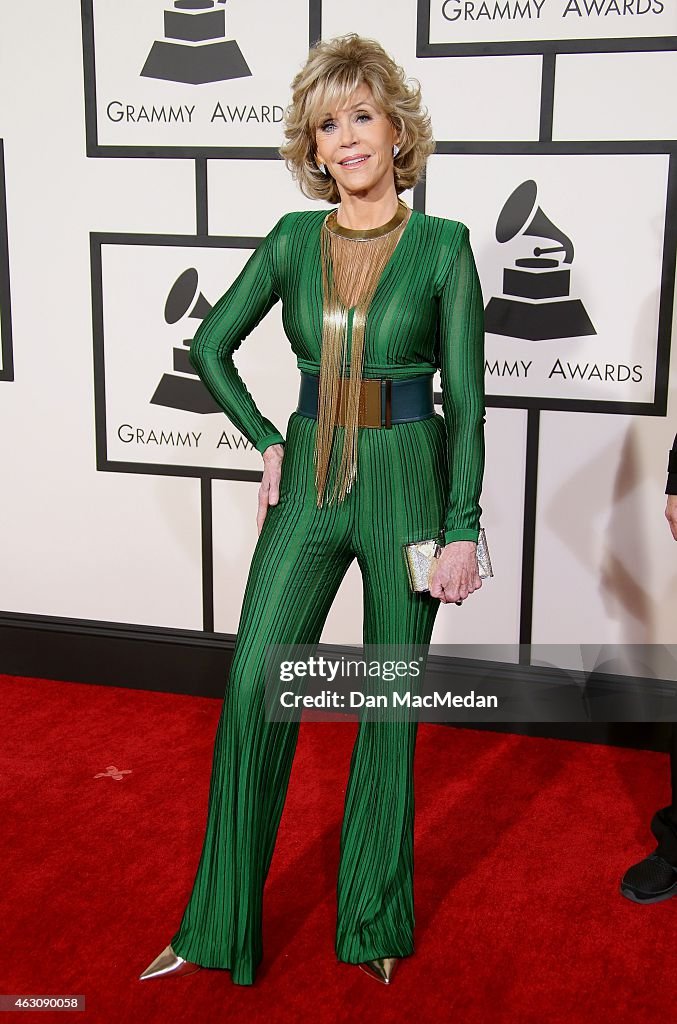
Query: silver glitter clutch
(420,555)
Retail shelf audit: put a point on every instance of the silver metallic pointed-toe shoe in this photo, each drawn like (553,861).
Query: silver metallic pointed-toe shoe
(168,962)
(382,969)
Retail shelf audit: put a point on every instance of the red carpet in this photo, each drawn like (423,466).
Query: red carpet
(520,844)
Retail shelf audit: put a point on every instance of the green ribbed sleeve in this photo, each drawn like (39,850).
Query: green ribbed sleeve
(462,374)
(231,319)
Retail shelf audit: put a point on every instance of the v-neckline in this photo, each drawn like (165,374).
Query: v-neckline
(350,310)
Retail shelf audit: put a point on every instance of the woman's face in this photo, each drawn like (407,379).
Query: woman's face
(356,145)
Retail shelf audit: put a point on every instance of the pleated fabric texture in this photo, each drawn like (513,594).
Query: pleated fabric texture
(427,313)
(413,480)
(300,559)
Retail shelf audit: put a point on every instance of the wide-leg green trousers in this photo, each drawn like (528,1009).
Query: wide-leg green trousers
(301,556)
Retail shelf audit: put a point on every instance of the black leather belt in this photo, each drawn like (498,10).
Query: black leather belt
(383,400)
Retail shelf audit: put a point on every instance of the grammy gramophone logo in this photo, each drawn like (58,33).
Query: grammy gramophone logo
(195,49)
(536,303)
(183,389)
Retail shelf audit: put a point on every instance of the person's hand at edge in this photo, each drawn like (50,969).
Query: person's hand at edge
(671,513)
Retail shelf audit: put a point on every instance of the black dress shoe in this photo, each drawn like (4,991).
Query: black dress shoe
(650,881)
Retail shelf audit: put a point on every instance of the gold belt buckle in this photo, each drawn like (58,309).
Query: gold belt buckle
(369,407)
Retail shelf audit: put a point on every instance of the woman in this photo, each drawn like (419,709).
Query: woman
(375,298)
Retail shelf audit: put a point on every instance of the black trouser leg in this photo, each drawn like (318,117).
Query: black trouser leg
(664,823)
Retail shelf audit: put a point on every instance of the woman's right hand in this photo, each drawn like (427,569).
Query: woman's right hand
(269,491)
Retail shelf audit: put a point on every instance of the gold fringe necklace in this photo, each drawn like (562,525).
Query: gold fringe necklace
(352,264)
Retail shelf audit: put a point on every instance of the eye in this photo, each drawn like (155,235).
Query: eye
(327,126)
(364,117)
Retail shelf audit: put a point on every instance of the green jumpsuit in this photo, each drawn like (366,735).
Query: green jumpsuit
(413,480)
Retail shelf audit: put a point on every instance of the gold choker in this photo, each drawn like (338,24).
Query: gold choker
(364,234)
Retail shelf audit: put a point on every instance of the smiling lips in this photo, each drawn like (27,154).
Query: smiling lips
(354,161)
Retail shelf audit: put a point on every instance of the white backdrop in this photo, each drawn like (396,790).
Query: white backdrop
(110,540)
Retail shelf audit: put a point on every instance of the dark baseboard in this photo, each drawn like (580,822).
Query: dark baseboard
(115,654)
(197,663)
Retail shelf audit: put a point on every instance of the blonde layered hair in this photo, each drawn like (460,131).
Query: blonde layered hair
(333,71)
